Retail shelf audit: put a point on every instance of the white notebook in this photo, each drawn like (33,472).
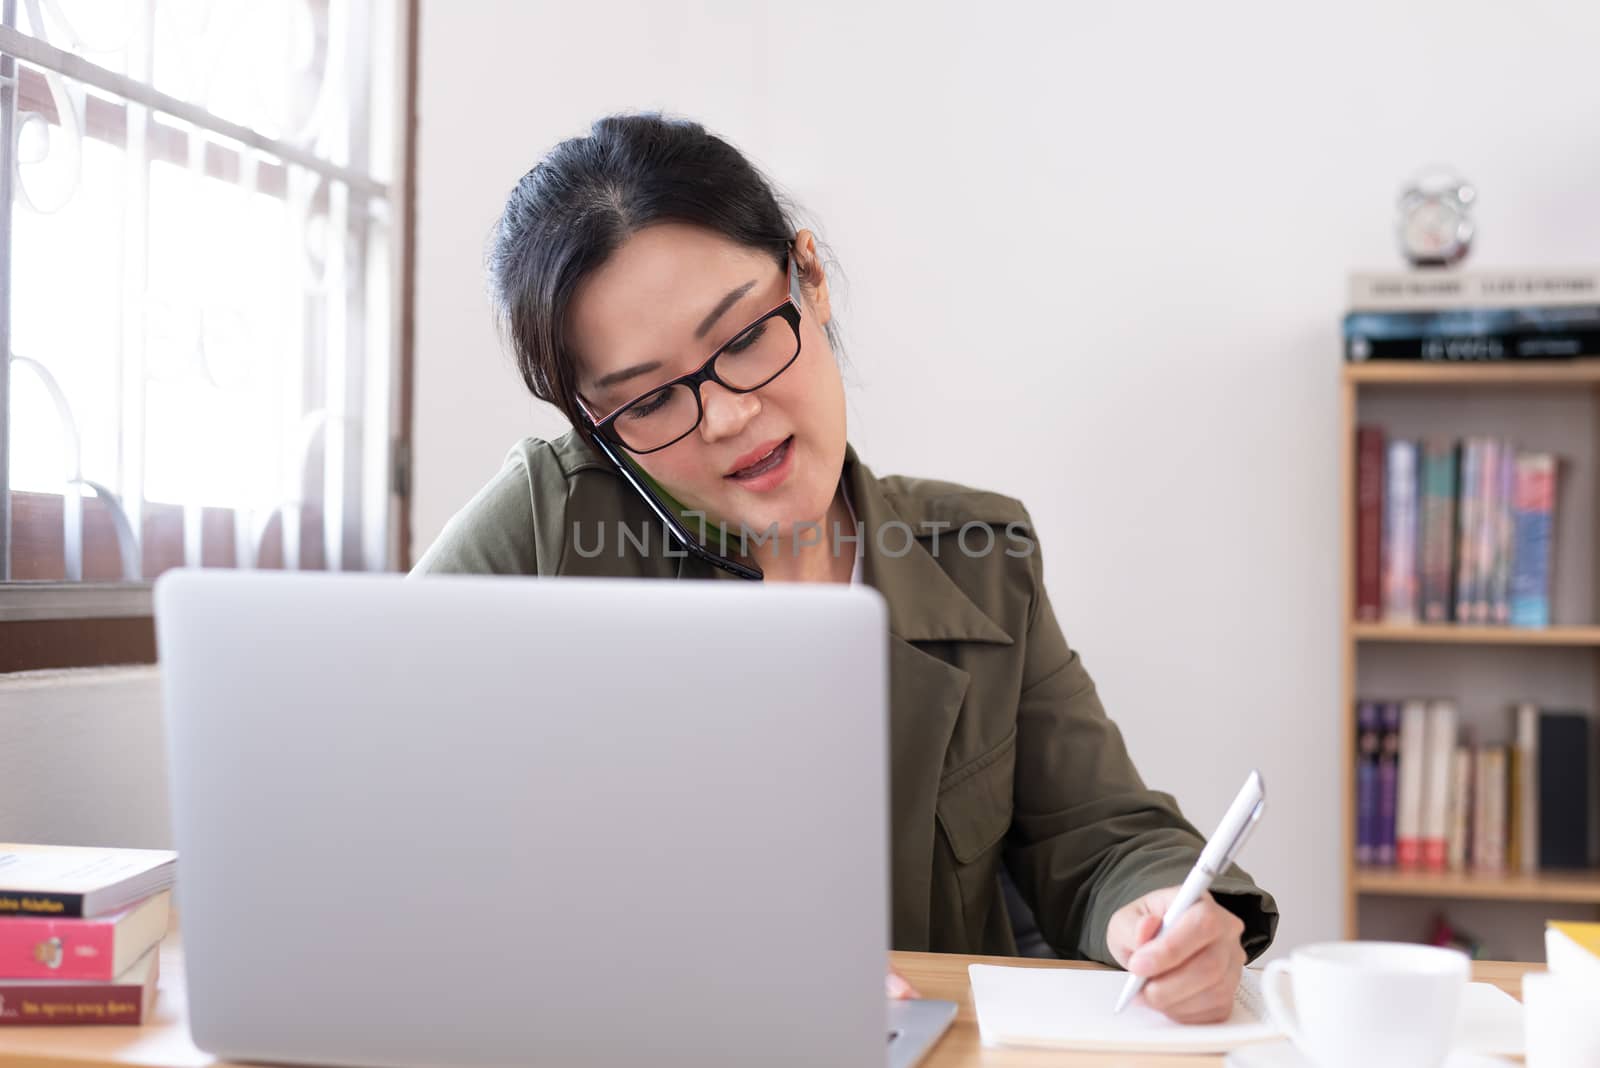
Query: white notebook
(1070,1008)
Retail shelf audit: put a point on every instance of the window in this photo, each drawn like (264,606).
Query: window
(203,290)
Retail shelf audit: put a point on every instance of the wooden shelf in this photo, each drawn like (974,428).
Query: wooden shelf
(1476,634)
(1585,370)
(1573,887)
(1557,404)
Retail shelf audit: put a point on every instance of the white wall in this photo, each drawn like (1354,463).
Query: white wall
(1095,257)
(84,760)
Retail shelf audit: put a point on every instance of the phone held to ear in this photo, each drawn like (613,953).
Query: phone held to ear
(669,517)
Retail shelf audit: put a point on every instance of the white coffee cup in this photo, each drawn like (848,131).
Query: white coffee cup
(1562,1017)
(1369,1004)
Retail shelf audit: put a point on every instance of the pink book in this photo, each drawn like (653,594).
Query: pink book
(100,948)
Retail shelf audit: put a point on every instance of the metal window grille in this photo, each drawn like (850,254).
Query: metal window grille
(197,286)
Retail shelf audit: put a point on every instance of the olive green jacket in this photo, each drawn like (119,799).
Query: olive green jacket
(1000,752)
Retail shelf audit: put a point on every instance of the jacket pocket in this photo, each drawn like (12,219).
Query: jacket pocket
(974,811)
(974,807)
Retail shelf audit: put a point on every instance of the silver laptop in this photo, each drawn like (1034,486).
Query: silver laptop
(487,821)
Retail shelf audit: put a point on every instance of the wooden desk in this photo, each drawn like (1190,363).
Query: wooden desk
(165,1043)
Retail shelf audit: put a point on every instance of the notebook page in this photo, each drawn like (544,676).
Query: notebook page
(1069,1008)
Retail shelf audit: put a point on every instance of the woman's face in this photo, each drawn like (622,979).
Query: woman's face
(763,458)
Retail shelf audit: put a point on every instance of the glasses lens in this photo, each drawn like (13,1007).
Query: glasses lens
(657,419)
(753,357)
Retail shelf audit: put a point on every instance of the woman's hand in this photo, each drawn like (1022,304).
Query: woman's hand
(1192,970)
(899,989)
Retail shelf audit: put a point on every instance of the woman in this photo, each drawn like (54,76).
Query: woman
(657,294)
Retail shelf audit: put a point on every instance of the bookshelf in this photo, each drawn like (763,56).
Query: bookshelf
(1554,406)
(1581,372)
(1577,636)
(1581,888)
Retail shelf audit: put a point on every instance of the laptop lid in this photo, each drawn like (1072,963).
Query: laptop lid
(481,821)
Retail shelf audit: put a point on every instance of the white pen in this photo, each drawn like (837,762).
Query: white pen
(1223,845)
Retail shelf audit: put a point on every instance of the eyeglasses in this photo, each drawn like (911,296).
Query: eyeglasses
(749,360)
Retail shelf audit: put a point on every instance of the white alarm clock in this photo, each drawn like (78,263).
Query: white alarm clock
(1434,227)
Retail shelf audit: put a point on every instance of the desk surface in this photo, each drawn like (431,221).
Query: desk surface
(165,1042)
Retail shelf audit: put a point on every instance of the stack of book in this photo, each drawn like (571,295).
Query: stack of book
(80,931)
(1473,316)
(1453,531)
(1428,800)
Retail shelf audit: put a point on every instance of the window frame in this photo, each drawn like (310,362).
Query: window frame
(54,624)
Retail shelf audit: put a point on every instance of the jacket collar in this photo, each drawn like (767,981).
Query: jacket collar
(925,604)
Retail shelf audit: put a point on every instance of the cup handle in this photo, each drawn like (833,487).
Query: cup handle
(1273,980)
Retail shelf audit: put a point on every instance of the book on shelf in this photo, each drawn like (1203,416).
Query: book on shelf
(1413,784)
(101,947)
(1500,457)
(1459,815)
(126,1000)
(1526,716)
(69,881)
(1438,535)
(1533,524)
(1497,538)
(1439,745)
(1489,808)
(1369,523)
(1400,533)
(1513,805)
(1473,334)
(1388,781)
(1472,603)
(1435,289)
(1453,532)
(1488,852)
(1563,788)
(1368,731)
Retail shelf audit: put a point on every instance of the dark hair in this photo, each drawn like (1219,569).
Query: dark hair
(589,195)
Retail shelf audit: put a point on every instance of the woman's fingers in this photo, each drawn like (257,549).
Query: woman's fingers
(898,987)
(1200,925)
(1202,984)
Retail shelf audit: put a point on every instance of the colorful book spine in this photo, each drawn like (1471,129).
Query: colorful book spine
(1479,854)
(1474,348)
(1367,742)
(1460,809)
(127,1000)
(1388,781)
(1369,523)
(1438,529)
(1489,816)
(1513,835)
(1439,746)
(1413,784)
(1526,732)
(1505,536)
(1495,809)
(1484,547)
(99,948)
(1470,459)
(1466,335)
(1400,534)
(1533,524)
